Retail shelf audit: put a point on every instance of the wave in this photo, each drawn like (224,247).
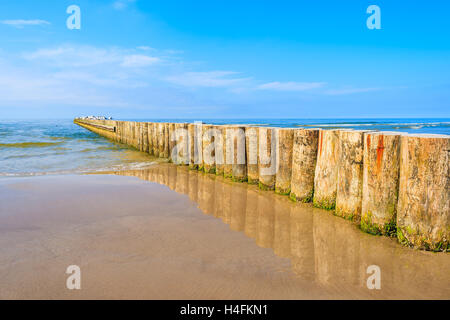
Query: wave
(40,155)
(102,148)
(105,170)
(28,144)
(396,125)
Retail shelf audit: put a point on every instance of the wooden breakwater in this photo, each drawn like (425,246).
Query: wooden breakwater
(389,183)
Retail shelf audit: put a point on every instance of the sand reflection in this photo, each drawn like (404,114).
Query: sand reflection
(321,248)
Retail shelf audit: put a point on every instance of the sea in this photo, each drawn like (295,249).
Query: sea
(41,147)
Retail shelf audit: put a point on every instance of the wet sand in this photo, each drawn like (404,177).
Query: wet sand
(172,233)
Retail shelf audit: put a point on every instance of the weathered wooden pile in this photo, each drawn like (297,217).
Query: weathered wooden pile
(389,183)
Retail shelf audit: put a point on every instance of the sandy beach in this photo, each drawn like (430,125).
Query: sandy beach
(171,233)
(225,158)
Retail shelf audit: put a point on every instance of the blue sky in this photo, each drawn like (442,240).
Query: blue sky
(225,59)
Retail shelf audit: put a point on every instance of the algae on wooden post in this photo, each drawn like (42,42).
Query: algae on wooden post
(156,139)
(304,158)
(172,142)
(350,175)
(193,156)
(218,149)
(143,129)
(195,145)
(119,131)
(267,162)
(182,146)
(166,140)
(135,126)
(423,211)
(164,151)
(142,137)
(150,137)
(130,133)
(123,134)
(126,133)
(138,135)
(145,137)
(381,170)
(115,125)
(236,137)
(227,152)
(161,139)
(325,179)
(251,150)
(144,141)
(130,137)
(123,130)
(284,154)
(133,139)
(208,164)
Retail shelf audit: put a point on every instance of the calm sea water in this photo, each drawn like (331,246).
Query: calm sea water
(36,147)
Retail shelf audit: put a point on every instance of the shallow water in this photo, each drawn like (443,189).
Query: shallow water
(412,125)
(38,147)
(180,234)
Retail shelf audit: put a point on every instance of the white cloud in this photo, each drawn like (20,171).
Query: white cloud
(291,86)
(121,4)
(145,48)
(22,23)
(335,92)
(21,87)
(206,79)
(112,80)
(74,75)
(76,56)
(86,75)
(139,60)
(174,52)
(88,56)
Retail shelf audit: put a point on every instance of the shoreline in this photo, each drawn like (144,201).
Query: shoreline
(158,234)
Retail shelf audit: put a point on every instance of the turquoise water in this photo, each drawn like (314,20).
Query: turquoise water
(36,147)
(434,126)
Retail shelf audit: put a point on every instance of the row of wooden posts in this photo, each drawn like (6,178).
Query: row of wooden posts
(388,183)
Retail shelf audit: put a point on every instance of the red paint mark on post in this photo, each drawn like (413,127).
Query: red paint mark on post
(320,144)
(380,150)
